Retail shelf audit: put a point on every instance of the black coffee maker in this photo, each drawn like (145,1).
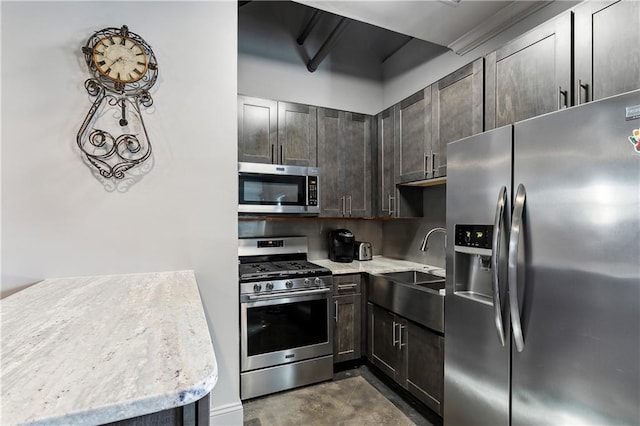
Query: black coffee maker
(341,245)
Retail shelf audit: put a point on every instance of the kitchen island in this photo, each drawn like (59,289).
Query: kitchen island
(91,350)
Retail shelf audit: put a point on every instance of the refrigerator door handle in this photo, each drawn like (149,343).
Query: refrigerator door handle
(498,227)
(514,248)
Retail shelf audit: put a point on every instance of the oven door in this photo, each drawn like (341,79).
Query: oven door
(284,328)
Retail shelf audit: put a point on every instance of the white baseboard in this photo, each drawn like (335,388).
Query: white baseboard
(226,415)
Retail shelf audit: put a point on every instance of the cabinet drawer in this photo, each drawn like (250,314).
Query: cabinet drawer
(347,284)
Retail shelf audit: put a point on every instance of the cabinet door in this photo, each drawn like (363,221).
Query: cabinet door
(386,174)
(297,135)
(356,159)
(425,365)
(347,327)
(257,129)
(607,49)
(329,160)
(383,340)
(414,137)
(529,76)
(457,110)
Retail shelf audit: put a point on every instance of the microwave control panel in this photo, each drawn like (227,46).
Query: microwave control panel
(312,190)
(479,236)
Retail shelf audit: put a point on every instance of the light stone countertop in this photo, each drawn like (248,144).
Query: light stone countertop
(377,265)
(89,350)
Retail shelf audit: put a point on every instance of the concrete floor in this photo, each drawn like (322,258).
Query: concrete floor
(354,397)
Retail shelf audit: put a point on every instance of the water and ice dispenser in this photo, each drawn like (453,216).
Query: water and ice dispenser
(472,262)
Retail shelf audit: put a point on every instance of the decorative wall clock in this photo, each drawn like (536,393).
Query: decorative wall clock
(113,137)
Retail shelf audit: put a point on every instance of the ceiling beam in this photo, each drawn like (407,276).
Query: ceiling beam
(309,27)
(329,44)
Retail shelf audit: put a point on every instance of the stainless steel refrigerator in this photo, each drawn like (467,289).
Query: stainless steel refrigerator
(542,306)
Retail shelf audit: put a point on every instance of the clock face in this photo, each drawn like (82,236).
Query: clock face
(120,59)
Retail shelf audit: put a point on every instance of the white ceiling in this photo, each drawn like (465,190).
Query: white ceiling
(458,26)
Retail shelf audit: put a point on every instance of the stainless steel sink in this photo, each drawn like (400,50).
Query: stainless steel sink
(413,277)
(436,285)
(415,295)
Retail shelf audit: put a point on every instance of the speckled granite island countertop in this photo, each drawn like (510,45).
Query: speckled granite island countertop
(90,350)
(377,265)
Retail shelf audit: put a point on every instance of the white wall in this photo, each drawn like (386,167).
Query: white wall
(58,220)
(280,80)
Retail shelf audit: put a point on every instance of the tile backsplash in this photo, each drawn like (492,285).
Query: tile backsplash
(396,238)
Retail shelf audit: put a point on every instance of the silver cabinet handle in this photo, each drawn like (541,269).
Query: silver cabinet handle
(402,327)
(350,203)
(344,208)
(347,286)
(579,88)
(498,229)
(426,162)
(393,334)
(433,163)
(514,251)
(562,94)
(392,210)
(335,304)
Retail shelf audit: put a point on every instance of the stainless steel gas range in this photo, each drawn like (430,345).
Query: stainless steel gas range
(285,316)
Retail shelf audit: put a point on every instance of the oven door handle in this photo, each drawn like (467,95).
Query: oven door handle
(289,294)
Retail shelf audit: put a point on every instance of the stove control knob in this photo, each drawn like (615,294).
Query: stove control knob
(317,281)
(289,284)
(307,283)
(257,288)
(269,286)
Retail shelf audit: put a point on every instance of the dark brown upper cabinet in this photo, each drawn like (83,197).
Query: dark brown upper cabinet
(386,200)
(529,76)
(607,49)
(276,132)
(344,159)
(257,130)
(413,127)
(457,111)
(297,138)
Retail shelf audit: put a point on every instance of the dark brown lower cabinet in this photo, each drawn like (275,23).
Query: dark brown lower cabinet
(410,354)
(425,365)
(347,329)
(194,414)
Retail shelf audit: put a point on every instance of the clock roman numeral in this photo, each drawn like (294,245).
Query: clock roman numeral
(122,41)
(138,54)
(108,71)
(101,63)
(141,63)
(130,76)
(111,40)
(137,71)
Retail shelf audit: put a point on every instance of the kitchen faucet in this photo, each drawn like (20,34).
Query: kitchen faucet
(425,242)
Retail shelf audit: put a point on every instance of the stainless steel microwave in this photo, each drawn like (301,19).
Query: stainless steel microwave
(277,188)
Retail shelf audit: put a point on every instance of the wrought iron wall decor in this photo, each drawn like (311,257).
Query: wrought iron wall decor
(113,137)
